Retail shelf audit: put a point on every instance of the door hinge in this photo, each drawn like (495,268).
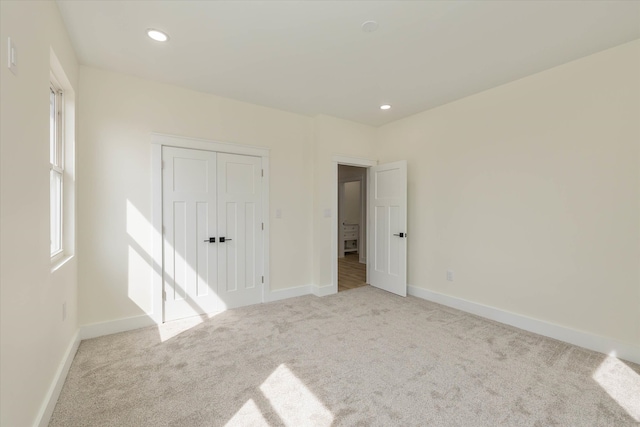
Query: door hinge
(162,165)
(261,172)
(164,295)
(262,279)
(263,225)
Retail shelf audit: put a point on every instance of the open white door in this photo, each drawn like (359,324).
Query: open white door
(387,253)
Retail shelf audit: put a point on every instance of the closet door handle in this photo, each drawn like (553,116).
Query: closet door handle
(224,239)
(210,240)
(401,235)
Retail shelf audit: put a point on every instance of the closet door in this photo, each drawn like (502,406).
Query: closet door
(240,250)
(189,220)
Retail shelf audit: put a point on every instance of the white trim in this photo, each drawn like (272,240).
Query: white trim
(322,291)
(208,145)
(280,294)
(161,140)
(156,238)
(354,161)
(95,330)
(266,219)
(49,403)
(586,340)
(333,182)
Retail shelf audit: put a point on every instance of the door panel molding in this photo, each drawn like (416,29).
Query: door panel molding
(388,227)
(162,140)
(190,193)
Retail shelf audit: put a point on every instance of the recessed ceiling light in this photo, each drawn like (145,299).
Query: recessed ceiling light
(157,35)
(385,107)
(369,26)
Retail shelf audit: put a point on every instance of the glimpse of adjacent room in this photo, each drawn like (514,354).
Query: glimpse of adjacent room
(352,227)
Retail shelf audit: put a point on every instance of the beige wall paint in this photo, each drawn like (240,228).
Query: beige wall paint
(34,337)
(352,202)
(118,115)
(529,192)
(333,137)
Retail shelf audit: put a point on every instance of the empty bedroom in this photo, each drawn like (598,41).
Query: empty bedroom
(319,213)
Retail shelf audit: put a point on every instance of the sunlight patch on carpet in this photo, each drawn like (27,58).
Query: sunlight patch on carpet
(294,403)
(249,414)
(621,383)
(171,329)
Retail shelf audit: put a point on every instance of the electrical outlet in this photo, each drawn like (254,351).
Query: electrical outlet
(450,275)
(64,311)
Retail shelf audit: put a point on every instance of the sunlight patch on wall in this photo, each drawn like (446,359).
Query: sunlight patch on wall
(621,383)
(139,267)
(138,228)
(249,414)
(138,275)
(293,401)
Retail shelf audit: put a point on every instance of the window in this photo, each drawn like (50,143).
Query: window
(56,166)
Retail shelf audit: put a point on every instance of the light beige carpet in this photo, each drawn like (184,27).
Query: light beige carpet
(359,358)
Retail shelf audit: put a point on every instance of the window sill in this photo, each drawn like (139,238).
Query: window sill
(59,262)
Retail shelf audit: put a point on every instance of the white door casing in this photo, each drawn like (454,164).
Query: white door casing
(387,254)
(211,195)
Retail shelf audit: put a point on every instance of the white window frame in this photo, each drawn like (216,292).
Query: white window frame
(56,165)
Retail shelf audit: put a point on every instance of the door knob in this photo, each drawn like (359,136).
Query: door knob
(210,240)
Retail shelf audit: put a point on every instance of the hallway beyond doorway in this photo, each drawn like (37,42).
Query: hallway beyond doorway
(351,273)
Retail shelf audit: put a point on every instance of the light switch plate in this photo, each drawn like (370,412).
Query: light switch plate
(12,60)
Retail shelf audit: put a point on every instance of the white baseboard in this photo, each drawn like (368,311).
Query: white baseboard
(321,291)
(49,403)
(95,330)
(586,340)
(281,294)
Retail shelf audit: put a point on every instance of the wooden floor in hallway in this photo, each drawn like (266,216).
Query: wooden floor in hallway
(351,273)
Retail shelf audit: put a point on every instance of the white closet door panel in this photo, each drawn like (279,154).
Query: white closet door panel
(240,223)
(189,218)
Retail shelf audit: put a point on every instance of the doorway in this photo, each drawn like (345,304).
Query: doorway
(386,222)
(352,227)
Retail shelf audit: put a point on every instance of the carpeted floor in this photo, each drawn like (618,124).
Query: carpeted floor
(357,358)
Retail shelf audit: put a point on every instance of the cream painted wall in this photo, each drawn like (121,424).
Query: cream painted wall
(352,202)
(118,115)
(34,336)
(333,137)
(529,193)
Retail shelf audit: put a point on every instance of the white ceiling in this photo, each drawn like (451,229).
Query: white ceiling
(311,57)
